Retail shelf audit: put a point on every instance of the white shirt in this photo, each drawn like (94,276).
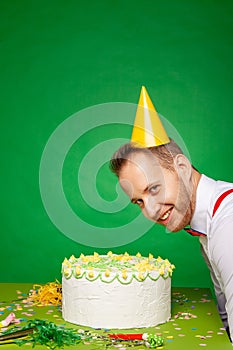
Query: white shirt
(218,243)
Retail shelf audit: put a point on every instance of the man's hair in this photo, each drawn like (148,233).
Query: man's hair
(164,154)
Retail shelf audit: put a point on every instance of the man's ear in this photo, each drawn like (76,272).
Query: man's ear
(183,166)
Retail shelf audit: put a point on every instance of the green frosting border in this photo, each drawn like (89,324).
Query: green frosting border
(99,275)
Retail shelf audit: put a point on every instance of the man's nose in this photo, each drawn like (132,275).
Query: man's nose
(151,209)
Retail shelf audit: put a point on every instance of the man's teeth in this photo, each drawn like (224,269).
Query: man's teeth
(165,216)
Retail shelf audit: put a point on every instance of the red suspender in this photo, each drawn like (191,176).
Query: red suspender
(220,199)
(216,206)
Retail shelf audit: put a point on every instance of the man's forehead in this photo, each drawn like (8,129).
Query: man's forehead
(142,170)
(144,161)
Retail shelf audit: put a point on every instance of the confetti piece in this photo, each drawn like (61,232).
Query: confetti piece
(185,315)
(210,332)
(8,320)
(170,337)
(181,335)
(17,321)
(194,329)
(202,344)
(177,328)
(204,300)
(220,333)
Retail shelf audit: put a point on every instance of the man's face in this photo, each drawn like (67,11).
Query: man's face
(163,195)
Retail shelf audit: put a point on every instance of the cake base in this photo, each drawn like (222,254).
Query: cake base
(99,304)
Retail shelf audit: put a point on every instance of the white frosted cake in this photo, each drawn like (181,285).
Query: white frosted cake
(116,291)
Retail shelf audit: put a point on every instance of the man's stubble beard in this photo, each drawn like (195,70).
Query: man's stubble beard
(186,210)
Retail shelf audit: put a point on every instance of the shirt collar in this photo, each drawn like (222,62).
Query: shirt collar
(204,194)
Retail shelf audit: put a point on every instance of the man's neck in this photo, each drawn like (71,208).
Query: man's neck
(196,176)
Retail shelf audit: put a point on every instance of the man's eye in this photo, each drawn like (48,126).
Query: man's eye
(139,202)
(154,189)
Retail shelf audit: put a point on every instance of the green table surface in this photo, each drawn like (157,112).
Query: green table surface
(204,330)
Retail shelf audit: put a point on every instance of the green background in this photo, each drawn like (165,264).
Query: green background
(60,57)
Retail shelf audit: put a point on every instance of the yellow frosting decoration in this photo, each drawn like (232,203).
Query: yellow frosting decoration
(78,270)
(66,271)
(124,274)
(67,263)
(117,257)
(96,257)
(141,276)
(125,257)
(91,274)
(107,273)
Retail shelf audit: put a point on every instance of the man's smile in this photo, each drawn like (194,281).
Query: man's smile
(165,217)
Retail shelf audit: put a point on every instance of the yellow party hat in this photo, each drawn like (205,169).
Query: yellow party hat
(148,130)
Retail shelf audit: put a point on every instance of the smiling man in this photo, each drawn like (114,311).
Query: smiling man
(160,180)
(158,177)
